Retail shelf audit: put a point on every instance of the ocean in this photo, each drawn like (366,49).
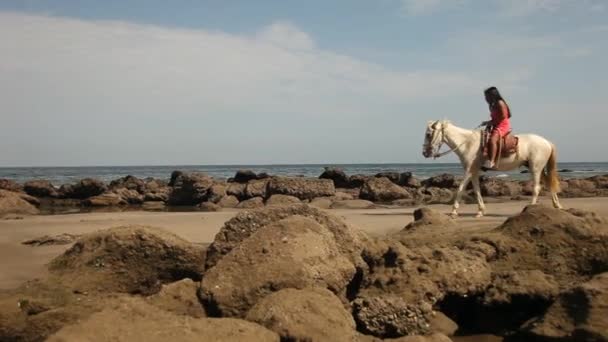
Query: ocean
(62,175)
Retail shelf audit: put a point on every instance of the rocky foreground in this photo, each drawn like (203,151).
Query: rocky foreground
(296,273)
(247,190)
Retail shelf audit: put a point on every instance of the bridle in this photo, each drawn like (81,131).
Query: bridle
(438,154)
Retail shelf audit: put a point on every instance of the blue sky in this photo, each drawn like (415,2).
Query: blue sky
(237,82)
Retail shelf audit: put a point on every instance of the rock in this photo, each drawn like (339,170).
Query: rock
(321,202)
(154,185)
(179,298)
(442,324)
(244,176)
(130,196)
(343,196)
(565,244)
(408,180)
(579,188)
(244,224)
(131,259)
(429,218)
(601,182)
(216,193)
(252,203)
(131,319)
(209,207)
(532,285)
(160,195)
(392,176)
(357,181)
(105,200)
(282,200)
(353,204)
(40,188)
(428,338)
(10,185)
(434,196)
(237,190)
(11,203)
(30,199)
(153,206)
(296,252)
(228,202)
(445,181)
(302,188)
(383,190)
(174,175)
(190,189)
(579,314)
(47,240)
(130,183)
(256,188)
(304,315)
(337,176)
(495,187)
(389,316)
(565,170)
(404,202)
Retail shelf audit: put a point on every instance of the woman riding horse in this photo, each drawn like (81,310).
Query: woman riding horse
(500,123)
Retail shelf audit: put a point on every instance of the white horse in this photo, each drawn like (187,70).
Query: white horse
(535,152)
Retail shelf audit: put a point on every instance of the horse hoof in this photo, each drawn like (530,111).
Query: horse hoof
(479,215)
(454,215)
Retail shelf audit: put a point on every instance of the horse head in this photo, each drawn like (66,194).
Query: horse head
(434,137)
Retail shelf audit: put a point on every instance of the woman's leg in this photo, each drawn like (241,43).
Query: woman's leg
(494,147)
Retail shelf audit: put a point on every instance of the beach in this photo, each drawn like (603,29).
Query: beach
(21,263)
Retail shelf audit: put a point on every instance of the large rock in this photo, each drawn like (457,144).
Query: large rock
(256,188)
(40,188)
(304,315)
(353,204)
(12,203)
(216,193)
(337,176)
(392,176)
(228,202)
(389,316)
(130,196)
(437,337)
(429,218)
(383,190)
(108,199)
(296,252)
(579,314)
(244,176)
(567,244)
(244,224)
(190,189)
(84,188)
(129,182)
(408,180)
(174,175)
(10,185)
(357,181)
(131,259)
(302,188)
(444,180)
(252,203)
(179,298)
(434,195)
(282,200)
(495,187)
(237,190)
(131,319)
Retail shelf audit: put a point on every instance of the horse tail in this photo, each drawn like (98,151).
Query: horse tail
(550,175)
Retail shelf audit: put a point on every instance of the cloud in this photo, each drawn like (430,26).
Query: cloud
(112,91)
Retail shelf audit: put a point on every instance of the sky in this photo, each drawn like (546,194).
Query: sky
(289,82)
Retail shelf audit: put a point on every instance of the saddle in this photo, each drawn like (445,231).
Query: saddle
(507,145)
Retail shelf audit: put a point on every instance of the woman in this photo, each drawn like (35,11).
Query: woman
(500,122)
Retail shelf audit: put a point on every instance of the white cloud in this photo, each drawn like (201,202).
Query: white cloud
(75,89)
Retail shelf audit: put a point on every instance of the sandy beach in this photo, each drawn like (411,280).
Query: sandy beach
(20,263)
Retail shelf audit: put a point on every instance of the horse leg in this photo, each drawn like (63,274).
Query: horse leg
(461,188)
(481,206)
(536,173)
(555,200)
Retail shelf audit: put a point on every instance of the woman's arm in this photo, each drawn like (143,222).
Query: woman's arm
(503,110)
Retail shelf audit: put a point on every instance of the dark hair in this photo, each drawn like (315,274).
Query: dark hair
(494,95)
